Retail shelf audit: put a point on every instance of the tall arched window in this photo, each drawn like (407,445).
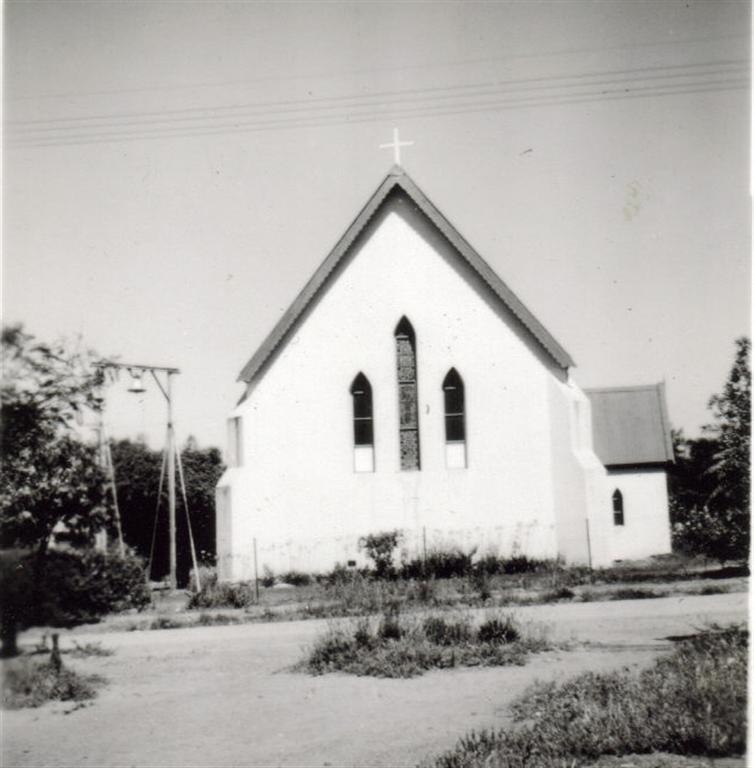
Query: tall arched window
(363,424)
(618,508)
(455,419)
(408,410)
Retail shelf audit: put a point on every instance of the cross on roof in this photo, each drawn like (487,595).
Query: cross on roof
(396,145)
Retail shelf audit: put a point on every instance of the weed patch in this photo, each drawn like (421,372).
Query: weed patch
(692,702)
(400,647)
(31,683)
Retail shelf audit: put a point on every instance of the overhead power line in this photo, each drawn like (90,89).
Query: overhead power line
(355,108)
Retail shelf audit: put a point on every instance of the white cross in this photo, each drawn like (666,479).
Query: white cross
(396,145)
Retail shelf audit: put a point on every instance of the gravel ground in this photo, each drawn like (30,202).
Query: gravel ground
(221,696)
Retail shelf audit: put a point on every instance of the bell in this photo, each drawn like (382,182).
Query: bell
(137,386)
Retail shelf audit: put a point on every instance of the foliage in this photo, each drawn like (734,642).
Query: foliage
(709,486)
(379,548)
(406,647)
(296,578)
(137,473)
(31,683)
(215,594)
(732,427)
(439,564)
(75,587)
(51,481)
(692,702)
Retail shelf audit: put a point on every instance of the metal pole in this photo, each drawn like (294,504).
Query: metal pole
(171,485)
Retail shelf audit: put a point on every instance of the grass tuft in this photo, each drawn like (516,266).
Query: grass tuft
(692,702)
(31,683)
(405,647)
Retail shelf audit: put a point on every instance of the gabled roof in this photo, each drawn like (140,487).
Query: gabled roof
(630,425)
(398,179)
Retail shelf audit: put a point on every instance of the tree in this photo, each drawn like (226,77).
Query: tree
(52,483)
(732,430)
(137,474)
(709,484)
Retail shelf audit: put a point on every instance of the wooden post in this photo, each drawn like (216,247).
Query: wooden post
(588,545)
(55,660)
(424,549)
(256,575)
(171,488)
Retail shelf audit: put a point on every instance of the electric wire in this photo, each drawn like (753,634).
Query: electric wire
(157,131)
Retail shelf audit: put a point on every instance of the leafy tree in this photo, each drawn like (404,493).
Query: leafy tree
(137,474)
(53,488)
(709,484)
(732,429)
(51,482)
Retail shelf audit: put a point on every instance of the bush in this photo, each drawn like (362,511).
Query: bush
(498,631)
(80,587)
(380,548)
(440,631)
(439,564)
(224,594)
(408,647)
(30,683)
(295,579)
(72,587)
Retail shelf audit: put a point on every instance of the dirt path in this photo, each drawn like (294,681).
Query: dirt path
(219,696)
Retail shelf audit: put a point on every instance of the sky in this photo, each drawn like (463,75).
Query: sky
(174,172)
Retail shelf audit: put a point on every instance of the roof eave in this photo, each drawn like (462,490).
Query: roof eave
(397,177)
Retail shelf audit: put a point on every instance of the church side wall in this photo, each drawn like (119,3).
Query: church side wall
(576,473)
(297,492)
(646,529)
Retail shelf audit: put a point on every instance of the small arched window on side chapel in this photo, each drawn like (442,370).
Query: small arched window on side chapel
(455,420)
(363,425)
(618,508)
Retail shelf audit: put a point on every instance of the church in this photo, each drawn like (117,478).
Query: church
(408,388)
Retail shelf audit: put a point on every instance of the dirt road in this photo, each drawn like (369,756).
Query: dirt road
(220,696)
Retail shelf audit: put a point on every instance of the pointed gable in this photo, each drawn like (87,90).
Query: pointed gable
(399,180)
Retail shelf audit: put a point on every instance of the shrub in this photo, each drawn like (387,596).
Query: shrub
(30,683)
(440,631)
(407,647)
(390,627)
(379,549)
(296,579)
(72,587)
(554,595)
(439,564)
(629,593)
(268,577)
(498,630)
(224,594)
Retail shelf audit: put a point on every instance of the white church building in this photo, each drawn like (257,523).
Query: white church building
(407,388)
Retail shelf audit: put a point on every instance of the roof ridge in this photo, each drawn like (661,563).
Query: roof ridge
(397,177)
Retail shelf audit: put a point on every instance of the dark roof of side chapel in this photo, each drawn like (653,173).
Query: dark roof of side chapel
(397,178)
(630,425)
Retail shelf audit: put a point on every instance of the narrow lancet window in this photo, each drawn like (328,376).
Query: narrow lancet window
(363,425)
(618,508)
(408,410)
(455,420)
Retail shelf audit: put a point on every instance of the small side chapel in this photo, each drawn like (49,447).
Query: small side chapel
(407,387)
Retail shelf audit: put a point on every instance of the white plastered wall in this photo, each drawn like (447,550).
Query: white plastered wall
(297,493)
(646,529)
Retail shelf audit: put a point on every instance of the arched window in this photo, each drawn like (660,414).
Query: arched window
(363,424)
(455,419)
(618,508)
(408,410)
